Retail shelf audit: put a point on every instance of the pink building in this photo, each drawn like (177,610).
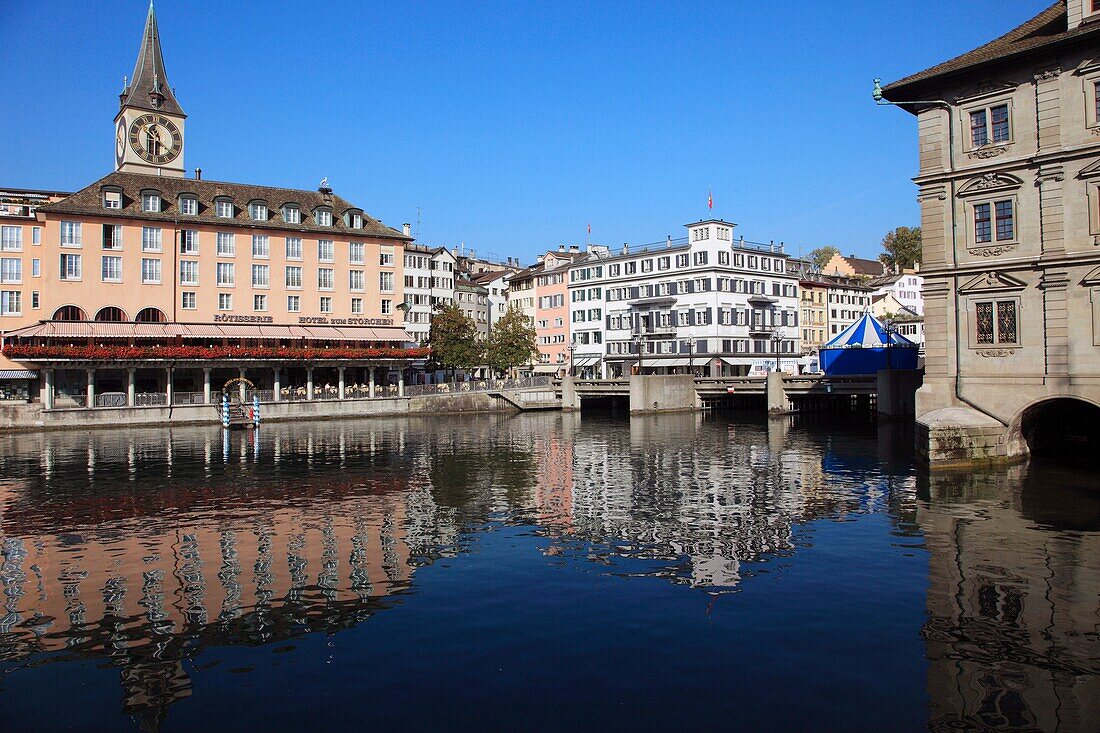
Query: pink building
(147,282)
(552,310)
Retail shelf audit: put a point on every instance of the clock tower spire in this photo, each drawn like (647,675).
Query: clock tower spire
(149,123)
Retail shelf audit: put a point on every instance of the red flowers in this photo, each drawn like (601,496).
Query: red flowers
(131,353)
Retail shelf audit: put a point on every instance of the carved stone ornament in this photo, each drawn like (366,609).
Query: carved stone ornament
(992,251)
(1048,74)
(995,353)
(1095,131)
(992,281)
(989,152)
(989,180)
(1096,240)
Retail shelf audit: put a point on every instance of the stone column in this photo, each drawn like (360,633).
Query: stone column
(400,382)
(242,388)
(206,385)
(131,386)
(91,388)
(341,382)
(170,389)
(309,383)
(371,370)
(47,389)
(777,394)
(278,382)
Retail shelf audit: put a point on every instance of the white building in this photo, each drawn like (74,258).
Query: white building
(847,301)
(496,283)
(429,279)
(707,304)
(906,288)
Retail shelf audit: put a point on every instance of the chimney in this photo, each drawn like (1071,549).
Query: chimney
(198,174)
(574,248)
(561,247)
(916,267)
(539,259)
(626,248)
(406,229)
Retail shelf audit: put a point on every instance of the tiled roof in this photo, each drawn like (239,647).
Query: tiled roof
(1047,28)
(89,201)
(862,266)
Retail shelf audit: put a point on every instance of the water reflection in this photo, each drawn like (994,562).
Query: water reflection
(146,550)
(1013,630)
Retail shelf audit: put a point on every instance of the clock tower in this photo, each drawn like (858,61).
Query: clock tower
(149,124)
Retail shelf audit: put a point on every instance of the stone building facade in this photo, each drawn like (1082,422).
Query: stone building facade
(1009,187)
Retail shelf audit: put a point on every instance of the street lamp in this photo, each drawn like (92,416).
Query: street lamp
(691,353)
(571,348)
(777,341)
(638,349)
(891,328)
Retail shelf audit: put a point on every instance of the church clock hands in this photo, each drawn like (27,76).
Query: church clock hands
(155,138)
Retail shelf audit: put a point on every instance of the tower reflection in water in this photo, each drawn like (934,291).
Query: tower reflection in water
(142,551)
(1013,630)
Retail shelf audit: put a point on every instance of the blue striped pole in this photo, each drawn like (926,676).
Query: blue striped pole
(255,409)
(225,410)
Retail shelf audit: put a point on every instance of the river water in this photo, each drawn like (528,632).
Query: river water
(540,572)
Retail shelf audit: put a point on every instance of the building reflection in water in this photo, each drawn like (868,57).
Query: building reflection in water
(147,547)
(705,501)
(1013,630)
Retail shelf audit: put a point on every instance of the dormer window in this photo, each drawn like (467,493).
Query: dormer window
(292,214)
(354,220)
(150,201)
(189,205)
(257,211)
(223,208)
(112,199)
(323,217)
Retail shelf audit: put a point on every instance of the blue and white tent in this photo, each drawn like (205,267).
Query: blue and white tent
(865,348)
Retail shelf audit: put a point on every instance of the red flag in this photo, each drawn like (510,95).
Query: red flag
(710,200)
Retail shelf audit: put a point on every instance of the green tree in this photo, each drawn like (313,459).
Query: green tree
(901,247)
(512,342)
(821,256)
(453,339)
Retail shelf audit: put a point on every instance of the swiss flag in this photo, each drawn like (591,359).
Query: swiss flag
(710,200)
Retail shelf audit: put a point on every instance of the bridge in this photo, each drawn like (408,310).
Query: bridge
(890,392)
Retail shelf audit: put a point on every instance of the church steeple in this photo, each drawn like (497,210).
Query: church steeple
(149,123)
(148,87)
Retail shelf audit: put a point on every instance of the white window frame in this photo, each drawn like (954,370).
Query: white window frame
(326,277)
(152,239)
(294,249)
(293,283)
(77,272)
(150,203)
(158,267)
(326,250)
(189,205)
(261,276)
(225,301)
(259,302)
(294,304)
(224,238)
(226,267)
(71,234)
(261,247)
(223,209)
(325,304)
(103,268)
(190,269)
(189,295)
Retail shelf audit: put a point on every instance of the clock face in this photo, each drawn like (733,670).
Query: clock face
(155,139)
(120,143)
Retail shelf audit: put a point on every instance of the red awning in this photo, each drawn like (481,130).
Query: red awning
(127,330)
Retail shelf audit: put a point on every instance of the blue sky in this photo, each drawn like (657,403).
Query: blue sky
(512,125)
